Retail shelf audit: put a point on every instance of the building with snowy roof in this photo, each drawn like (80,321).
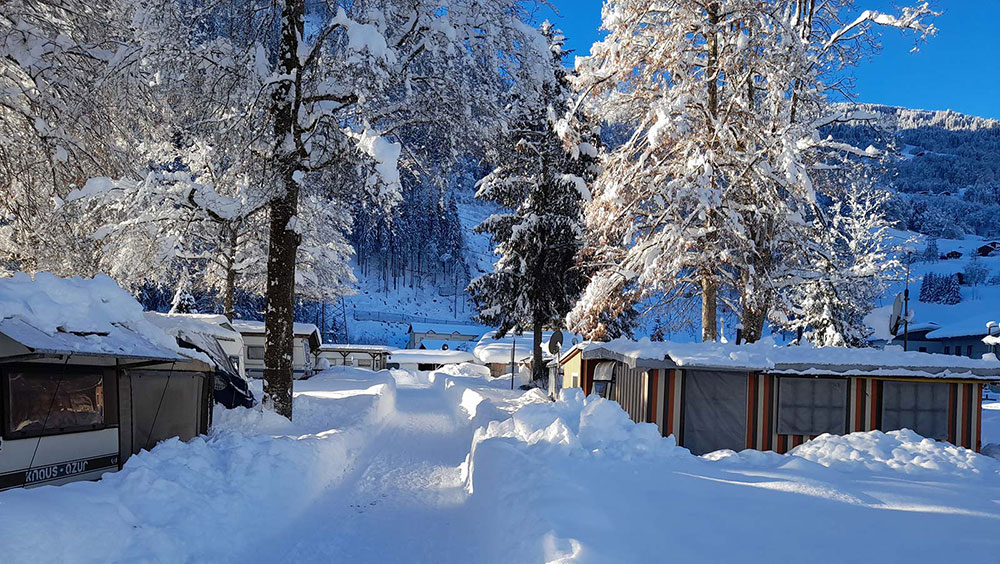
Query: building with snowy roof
(362,356)
(427,359)
(452,333)
(87,381)
(959,338)
(306,341)
(713,396)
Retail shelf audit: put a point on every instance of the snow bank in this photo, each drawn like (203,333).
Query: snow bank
(902,451)
(576,480)
(210,499)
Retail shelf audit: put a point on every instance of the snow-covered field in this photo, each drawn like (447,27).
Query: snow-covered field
(447,466)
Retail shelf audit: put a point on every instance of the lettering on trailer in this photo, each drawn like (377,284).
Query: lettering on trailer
(57,471)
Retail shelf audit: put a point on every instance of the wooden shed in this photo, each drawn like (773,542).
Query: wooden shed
(86,382)
(712,396)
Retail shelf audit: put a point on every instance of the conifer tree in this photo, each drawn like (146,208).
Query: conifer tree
(542,183)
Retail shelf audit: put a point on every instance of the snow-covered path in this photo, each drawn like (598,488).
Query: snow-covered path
(406,481)
(450,467)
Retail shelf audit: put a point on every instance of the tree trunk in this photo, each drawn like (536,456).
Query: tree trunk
(753,323)
(284,242)
(538,372)
(709,285)
(229,291)
(709,303)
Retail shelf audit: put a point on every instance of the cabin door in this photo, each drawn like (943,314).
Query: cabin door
(715,411)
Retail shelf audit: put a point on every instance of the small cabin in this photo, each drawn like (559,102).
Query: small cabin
(86,381)
(425,360)
(362,356)
(713,396)
(449,332)
(306,337)
(989,249)
(951,255)
(498,352)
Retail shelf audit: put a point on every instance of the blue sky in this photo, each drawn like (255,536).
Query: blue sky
(958,69)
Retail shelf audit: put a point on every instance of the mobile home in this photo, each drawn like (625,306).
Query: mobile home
(306,340)
(712,396)
(86,381)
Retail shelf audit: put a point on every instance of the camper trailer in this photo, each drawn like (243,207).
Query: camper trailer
(214,337)
(307,340)
(86,381)
(713,396)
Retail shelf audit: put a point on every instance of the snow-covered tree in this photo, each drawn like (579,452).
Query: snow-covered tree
(931,252)
(715,186)
(540,182)
(855,257)
(73,104)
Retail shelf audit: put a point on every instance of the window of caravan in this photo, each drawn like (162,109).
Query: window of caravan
(919,406)
(812,406)
(53,401)
(255,353)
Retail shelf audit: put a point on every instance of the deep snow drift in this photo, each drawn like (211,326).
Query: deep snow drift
(450,466)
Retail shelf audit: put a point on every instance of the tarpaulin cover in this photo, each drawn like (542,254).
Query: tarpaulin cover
(715,410)
(812,406)
(919,406)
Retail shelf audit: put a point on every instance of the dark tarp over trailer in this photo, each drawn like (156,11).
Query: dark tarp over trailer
(715,411)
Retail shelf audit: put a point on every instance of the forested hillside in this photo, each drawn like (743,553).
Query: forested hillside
(945,177)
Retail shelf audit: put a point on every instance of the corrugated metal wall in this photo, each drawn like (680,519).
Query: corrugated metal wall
(631,392)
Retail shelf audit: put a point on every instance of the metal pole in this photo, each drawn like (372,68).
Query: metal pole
(906,307)
(513,345)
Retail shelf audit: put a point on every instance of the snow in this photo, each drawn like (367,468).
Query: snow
(449,466)
(82,315)
(805,358)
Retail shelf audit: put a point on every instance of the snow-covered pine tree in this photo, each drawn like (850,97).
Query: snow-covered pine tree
(951,291)
(928,288)
(541,183)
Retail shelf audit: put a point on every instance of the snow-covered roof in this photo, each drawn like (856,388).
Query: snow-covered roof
(53,315)
(448,328)
(216,325)
(969,327)
(491,350)
(804,359)
(422,356)
(248,327)
(347,347)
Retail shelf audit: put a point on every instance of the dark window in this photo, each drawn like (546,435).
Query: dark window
(947,349)
(54,401)
(811,406)
(918,406)
(255,353)
(958,350)
(968,351)
(923,349)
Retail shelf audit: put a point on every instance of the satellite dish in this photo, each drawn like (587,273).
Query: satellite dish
(555,342)
(895,319)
